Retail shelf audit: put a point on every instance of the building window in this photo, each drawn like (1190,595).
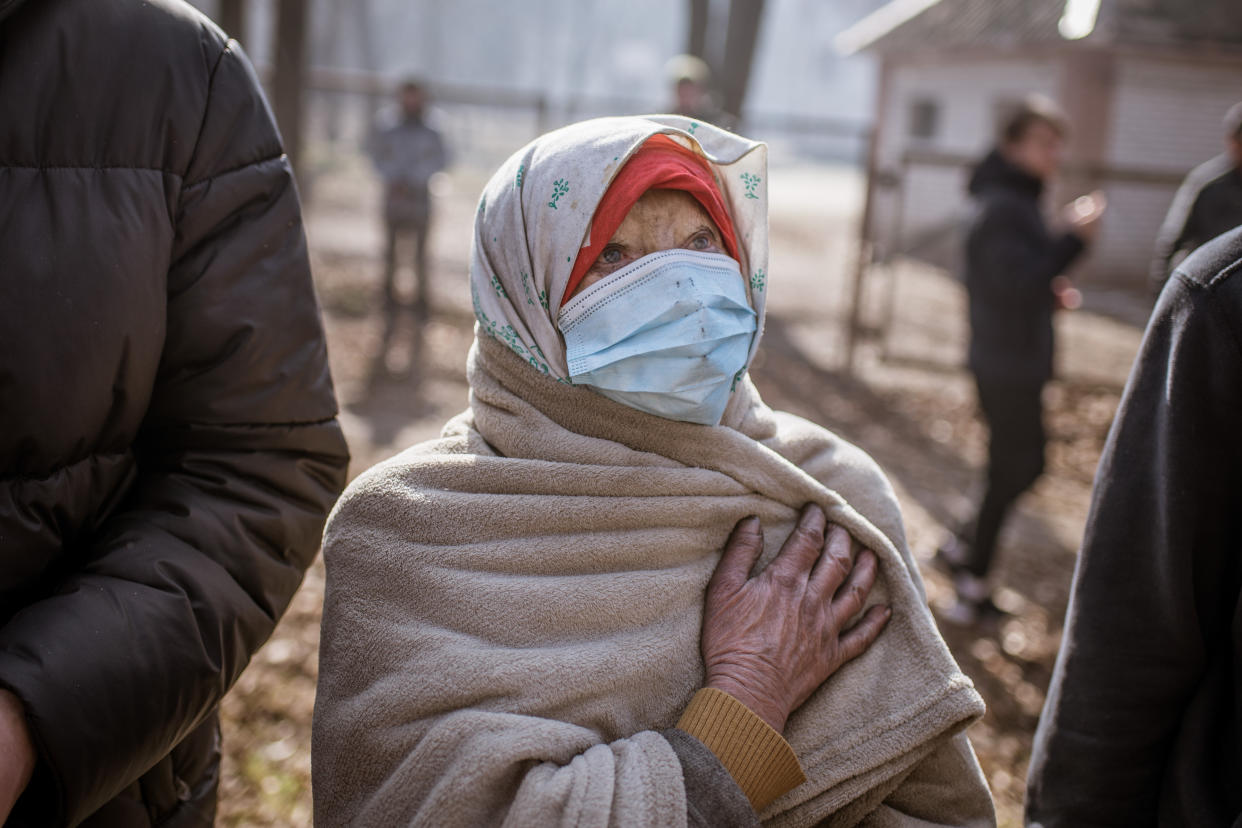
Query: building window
(924,119)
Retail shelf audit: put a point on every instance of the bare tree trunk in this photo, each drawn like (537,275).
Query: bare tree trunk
(232,18)
(289,79)
(329,47)
(696,31)
(370,60)
(740,39)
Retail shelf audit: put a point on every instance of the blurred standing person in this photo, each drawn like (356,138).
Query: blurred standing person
(1208,203)
(1014,262)
(1143,722)
(407,152)
(169,447)
(692,92)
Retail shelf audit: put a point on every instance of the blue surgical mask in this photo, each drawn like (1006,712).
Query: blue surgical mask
(669,334)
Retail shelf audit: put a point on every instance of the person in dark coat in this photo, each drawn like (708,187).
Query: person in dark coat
(168,433)
(1208,203)
(1143,722)
(1013,261)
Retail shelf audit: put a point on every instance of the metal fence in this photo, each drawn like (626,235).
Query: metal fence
(484,125)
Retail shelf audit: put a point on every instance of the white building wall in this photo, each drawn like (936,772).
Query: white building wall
(1167,115)
(1122,254)
(1165,118)
(970,93)
(969,96)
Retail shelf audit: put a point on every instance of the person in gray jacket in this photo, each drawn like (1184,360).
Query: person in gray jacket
(1208,203)
(407,153)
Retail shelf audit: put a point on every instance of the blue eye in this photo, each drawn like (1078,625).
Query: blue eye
(703,242)
(611,255)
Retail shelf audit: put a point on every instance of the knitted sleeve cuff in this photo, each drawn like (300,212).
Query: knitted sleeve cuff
(756,756)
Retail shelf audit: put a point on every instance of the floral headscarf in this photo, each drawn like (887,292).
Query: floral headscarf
(535,214)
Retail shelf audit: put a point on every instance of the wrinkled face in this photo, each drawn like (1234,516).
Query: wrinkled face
(659,220)
(1038,151)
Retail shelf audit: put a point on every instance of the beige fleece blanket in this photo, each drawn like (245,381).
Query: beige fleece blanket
(513,611)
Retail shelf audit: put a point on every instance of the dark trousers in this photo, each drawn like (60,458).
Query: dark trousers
(1014,413)
(398,233)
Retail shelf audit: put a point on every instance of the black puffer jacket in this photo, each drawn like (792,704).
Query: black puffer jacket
(1011,260)
(168,443)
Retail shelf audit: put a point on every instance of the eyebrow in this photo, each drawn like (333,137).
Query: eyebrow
(700,229)
(626,247)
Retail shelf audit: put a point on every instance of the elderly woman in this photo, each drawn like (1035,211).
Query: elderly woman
(531,620)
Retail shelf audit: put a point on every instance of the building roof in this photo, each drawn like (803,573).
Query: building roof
(915,25)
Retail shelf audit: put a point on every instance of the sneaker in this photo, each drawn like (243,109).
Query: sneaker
(974,600)
(962,613)
(971,588)
(988,611)
(951,556)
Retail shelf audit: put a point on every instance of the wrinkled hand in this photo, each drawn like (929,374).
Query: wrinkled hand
(17,755)
(771,640)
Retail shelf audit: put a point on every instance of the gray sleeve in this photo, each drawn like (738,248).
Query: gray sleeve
(1172,233)
(713,799)
(1175,230)
(440,157)
(379,147)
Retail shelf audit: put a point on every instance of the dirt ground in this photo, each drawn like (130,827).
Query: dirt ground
(907,402)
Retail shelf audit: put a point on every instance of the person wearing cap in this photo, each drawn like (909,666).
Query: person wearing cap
(1208,203)
(692,92)
(620,590)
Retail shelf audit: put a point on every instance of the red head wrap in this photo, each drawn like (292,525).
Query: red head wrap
(659,164)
